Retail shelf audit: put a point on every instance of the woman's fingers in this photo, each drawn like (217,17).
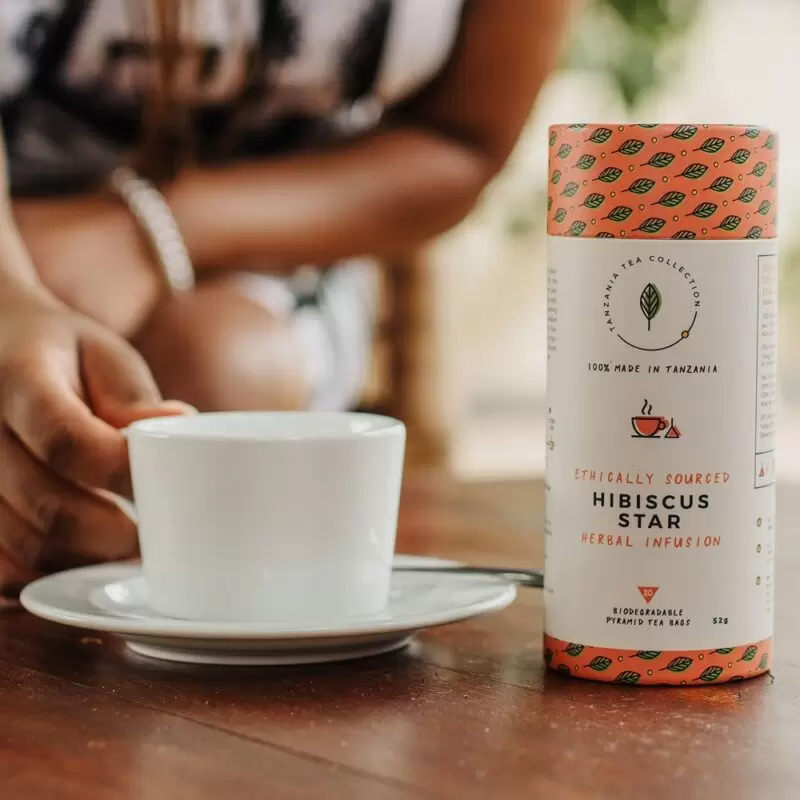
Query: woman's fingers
(47,415)
(74,525)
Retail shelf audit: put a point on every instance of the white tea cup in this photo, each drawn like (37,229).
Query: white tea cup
(284,517)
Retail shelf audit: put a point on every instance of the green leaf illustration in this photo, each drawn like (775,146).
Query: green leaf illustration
(564,150)
(553,137)
(609,175)
(694,171)
(710,674)
(752,133)
(560,215)
(730,223)
(647,655)
(628,677)
(735,678)
(773,181)
(594,200)
(630,147)
(650,302)
(684,235)
(759,169)
(563,669)
(619,213)
(647,125)
(660,160)
(754,233)
(555,177)
(651,225)
(683,132)
(750,653)
(549,203)
(570,189)
(721,184)
(641,186)
(704,210)
(747,195)
(605,235)
(712,145)
(770,143)
(670,199)
(740,156)
(577,126)
(585,162)
(548,656)
(577,228)
(600,135)
(724,651)
(574,649)
(600,663)
(764,661)
(679,664)
(764,208)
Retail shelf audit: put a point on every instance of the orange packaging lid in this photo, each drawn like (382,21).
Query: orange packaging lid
(663,181)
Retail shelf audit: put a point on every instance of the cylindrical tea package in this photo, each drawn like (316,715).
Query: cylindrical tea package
(662,335)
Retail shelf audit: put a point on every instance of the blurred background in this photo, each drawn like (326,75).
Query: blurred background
(471,360)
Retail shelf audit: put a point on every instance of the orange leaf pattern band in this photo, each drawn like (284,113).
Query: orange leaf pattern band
(662,181)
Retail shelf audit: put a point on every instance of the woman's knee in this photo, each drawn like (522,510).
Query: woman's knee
(218,350)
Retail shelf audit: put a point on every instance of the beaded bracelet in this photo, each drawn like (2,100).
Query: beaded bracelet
(158,225)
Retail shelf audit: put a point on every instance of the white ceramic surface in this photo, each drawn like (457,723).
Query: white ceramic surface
(113,598)
(267,516)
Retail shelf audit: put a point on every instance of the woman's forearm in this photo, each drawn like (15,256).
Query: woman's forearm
(383,194)
(17,273)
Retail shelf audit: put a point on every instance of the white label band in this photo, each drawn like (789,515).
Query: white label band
(660,460)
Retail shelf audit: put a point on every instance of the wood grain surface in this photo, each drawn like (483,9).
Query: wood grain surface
(466,712)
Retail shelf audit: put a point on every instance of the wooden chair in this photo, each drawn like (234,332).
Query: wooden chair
(399,384)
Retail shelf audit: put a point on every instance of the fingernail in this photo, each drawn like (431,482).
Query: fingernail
(178,406)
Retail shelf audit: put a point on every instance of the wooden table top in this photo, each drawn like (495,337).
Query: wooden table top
(466,712)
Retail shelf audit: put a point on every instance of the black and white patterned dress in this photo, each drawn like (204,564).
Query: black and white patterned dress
(70,77)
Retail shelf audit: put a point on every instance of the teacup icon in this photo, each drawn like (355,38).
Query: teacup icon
(648,427)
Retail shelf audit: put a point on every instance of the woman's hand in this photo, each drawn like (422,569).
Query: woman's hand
(89,253)
(67,386)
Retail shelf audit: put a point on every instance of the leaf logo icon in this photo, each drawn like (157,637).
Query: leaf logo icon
(712,145)
(594,200)
(600,136)
(650,302)
(710,674)
(660,160)
(730,223)
(722,184)
(683,132)
(740,156)
(694,171)
(670,199)
(630,147)
(609,175)
(747,195)
(641,186)
(629,676)
(651,225)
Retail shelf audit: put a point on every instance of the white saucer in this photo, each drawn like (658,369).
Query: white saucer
(113,598)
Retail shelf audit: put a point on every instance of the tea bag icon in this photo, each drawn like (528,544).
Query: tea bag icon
(672,431)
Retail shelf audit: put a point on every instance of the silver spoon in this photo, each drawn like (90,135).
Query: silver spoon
(529,578)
